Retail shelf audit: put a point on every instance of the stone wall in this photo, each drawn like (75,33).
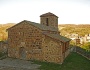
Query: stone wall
(3,46)
(52,21)
(51,50)
(26,41)
(26,36)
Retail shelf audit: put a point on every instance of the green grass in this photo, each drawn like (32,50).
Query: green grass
(73,62)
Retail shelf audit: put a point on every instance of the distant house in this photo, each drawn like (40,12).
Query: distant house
(73,36)
(77,41)
(82,40)
(30,40)
(87,38)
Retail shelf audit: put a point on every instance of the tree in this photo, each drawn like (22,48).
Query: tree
(86,46)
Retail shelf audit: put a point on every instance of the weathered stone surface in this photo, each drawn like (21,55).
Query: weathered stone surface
(3,46)
(17,64)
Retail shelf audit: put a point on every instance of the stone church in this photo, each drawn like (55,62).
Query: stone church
(38,41)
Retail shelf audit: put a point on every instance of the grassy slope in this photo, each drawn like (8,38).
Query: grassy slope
(73,62)
(76,62)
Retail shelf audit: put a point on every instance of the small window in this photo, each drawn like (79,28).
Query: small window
(47,21)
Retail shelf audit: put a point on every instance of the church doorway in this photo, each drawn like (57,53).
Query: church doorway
(22,53)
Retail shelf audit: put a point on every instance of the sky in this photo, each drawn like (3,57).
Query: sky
(68,11)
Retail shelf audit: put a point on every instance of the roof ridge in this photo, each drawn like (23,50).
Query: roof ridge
(48,14)
(42,26)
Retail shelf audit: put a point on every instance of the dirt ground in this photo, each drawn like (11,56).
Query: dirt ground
(17,64)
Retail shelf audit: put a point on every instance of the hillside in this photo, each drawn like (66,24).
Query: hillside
(3,33)
(81,29)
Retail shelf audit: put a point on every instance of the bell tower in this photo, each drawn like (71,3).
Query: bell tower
(49,19)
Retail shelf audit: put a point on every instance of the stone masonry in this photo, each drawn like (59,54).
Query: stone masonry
(32,41)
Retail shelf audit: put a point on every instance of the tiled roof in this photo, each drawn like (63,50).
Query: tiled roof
(58,37)
(40,26)
(48,14)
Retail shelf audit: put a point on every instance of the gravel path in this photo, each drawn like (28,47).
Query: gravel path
(17,64)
